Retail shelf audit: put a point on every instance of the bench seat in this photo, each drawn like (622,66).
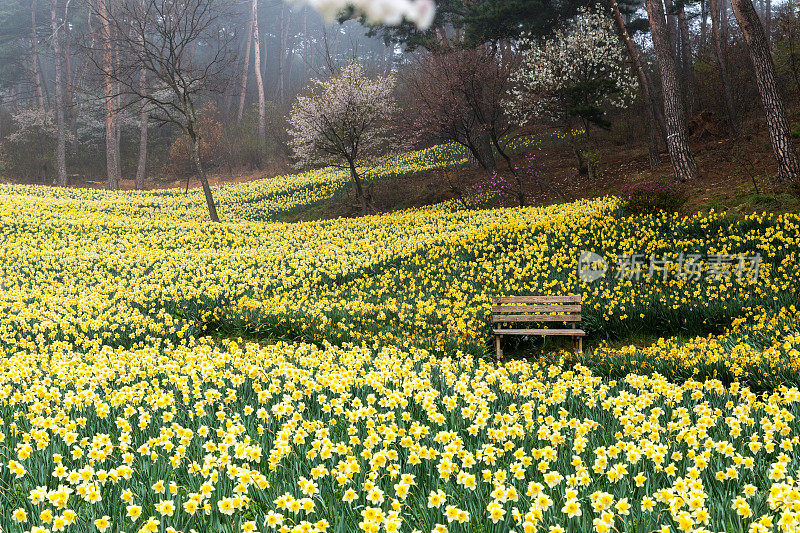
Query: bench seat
(543,332)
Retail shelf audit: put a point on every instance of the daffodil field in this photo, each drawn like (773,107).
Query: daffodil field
(134,396)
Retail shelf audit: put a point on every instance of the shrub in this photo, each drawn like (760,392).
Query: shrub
(794,189)
(211,137)
(495,191)
(653,197)
(592,159)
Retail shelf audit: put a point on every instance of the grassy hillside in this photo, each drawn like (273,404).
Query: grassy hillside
(129,402)
(126,270)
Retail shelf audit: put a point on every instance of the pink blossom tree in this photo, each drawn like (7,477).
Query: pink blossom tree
(344,122)
(459,94)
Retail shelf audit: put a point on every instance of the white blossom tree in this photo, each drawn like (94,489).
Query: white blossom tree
(344,122)
(390,12)
(579,73)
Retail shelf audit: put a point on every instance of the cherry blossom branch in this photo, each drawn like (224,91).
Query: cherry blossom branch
(390,12)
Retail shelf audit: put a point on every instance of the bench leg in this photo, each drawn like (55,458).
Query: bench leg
(577,342)
(497,347)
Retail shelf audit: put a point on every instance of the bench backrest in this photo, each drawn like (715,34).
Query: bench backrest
(536,308)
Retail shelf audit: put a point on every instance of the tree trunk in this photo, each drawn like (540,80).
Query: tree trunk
(472,159)
(48,102)
(112,139)
(719,53)
(390,63)
(723,22)
(69,81)
(141,167)
(201,174)
(582,167)
(68,89)
(768,20)
(117,121)
(357,187)
(280,53)
(673,30)
(246,63)
(476,155)
(758,45)
(483,151)
(266,67)
(61,142)
(36,83)
(262,104)
(288,67)
(485,147)
(306,40)
(43,79)
(656,116)
(313,58)
(288,59)
(683,162)
(703,23)
(36,68)
(687,63)
(118,131)
(653,140)
(520,192)
(39,79)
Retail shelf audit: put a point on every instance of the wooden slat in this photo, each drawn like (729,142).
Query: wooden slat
(536,299)
(536,308)
(536,318)
(543,332)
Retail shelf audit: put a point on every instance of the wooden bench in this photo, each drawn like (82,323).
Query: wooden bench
(521,309)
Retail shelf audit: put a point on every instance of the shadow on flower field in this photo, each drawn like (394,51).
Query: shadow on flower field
(438,298)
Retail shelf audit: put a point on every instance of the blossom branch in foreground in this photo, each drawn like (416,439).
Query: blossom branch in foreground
(390,12)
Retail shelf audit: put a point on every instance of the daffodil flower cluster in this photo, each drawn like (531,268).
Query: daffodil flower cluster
(368,407)
(296,438)
(75,272)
